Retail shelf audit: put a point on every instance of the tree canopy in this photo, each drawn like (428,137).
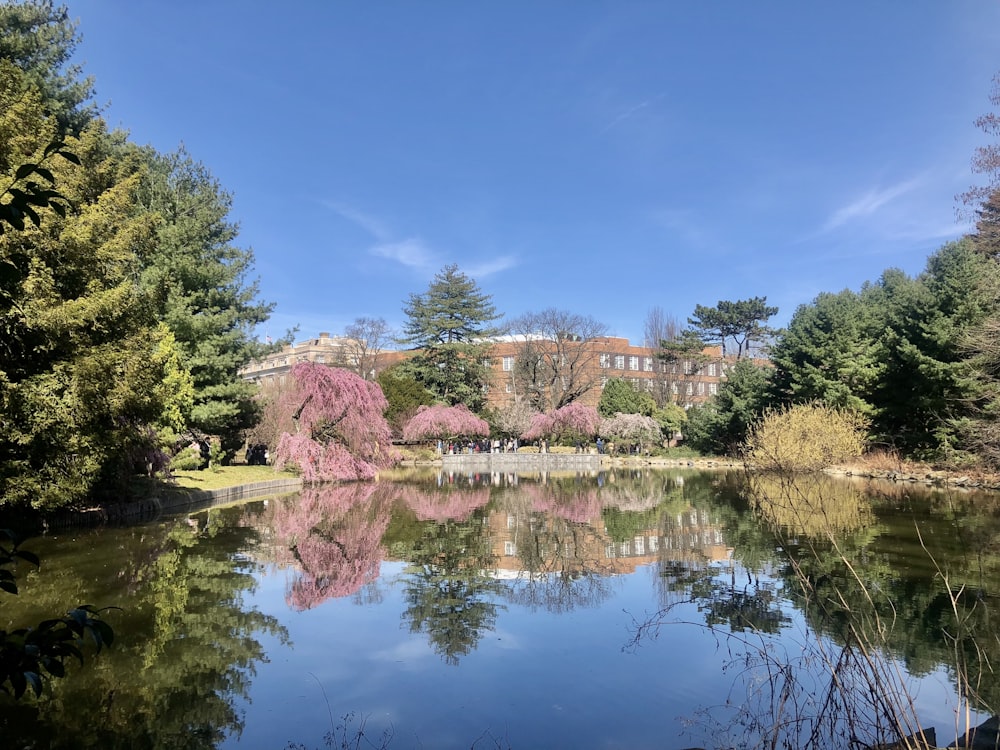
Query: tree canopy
(333,426)
(450,325)
(744,321)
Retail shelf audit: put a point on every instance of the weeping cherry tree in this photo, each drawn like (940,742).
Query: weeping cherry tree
(441,422)
(332,425)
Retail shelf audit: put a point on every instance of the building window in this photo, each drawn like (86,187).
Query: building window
(648,364)
(674,389)
(633,362)
(604,380)
(639,545)
(605,361)
(690,389)
(713,388)
(619,361)
(511,521)
(487,362)
(712,370)
(701,389)
(508,364)
(320,359)
(509,549)
(509,388)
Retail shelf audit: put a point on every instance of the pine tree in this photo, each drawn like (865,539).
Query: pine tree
(451,324)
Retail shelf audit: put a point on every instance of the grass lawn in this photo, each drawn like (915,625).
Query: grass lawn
(228,476)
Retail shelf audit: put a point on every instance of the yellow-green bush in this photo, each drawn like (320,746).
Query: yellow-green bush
(805,437)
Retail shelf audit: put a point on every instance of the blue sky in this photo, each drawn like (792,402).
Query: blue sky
(602,158)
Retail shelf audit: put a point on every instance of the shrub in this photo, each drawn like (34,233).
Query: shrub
(805,437)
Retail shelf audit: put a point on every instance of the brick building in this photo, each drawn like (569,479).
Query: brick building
(545,373)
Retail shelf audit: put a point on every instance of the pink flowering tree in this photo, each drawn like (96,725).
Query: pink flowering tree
(575,420)
(332,423)
(440,422)
(634,429)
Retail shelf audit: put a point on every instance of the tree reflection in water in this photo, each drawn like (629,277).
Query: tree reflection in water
(447,589)
(875,624)
(333,533)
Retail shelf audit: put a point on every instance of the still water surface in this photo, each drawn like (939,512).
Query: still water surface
(636,609)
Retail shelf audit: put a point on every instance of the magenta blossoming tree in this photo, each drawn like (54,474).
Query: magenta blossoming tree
(332,425)
(574,420)
(444,423)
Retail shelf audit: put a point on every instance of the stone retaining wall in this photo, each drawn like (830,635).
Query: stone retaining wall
(175,500)
(521,462)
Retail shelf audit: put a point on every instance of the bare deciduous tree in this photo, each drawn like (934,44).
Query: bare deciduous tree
(366,340)
(556,361)
(660,328)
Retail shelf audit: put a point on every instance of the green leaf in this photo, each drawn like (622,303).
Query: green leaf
(24,170)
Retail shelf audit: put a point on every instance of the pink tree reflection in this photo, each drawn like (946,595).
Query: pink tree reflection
(333,534)
(445,504)
(579,506)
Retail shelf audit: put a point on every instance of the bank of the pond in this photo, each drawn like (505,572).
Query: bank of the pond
(188,491)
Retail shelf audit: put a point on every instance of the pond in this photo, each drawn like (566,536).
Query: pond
(628,609)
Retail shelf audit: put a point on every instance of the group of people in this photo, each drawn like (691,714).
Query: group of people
(509,445)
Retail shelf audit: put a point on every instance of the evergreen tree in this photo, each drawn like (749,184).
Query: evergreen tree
(40,40)
(828,354)
(201,279)
(621,397)
(720,426)
(450,324)
(86,375)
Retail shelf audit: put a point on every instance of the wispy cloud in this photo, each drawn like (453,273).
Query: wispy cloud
(410,252)
(491,267)
(868,204)
(620,118)
(370,224)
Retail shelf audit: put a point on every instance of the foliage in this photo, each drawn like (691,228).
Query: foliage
(30,656)
(574,421)
(199,278)
(404,394)
(903,351)
(743,321)
(631,428)
(441,422)
(40,40)
(805,437)
(671,419)
(86,371)
(556,361)
(450,324)
(828,353)
(333,425)
(720,426)
(621,397)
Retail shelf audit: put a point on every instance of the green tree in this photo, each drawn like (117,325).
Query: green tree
(828,354)
(925,389)
(40,39)
(621,397)
(720,426)
(743,321)
(85,372)
(405,395)
(450,324)
(201,279)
